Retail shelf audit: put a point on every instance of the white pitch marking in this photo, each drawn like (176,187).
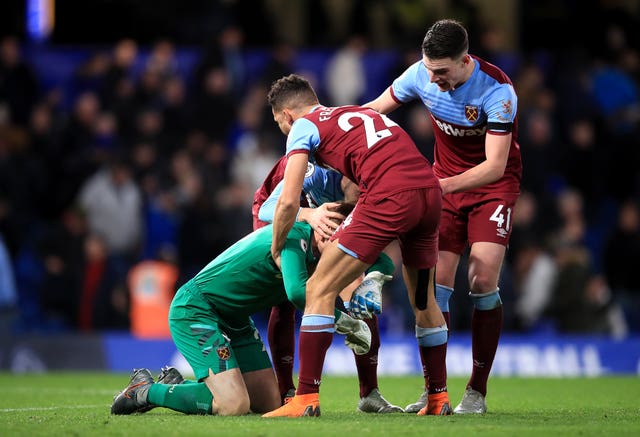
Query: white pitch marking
(13,410)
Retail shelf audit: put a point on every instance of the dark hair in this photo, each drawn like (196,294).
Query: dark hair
(291,91)
(345,208)
(445,39)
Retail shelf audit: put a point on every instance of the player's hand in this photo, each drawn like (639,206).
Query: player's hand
(324,219)
(366,299)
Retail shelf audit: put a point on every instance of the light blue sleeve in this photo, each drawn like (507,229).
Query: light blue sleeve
(501,104)
(304,135)
(405,87)
(268,207)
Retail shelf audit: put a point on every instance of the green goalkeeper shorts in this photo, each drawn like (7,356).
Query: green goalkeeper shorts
(207,342)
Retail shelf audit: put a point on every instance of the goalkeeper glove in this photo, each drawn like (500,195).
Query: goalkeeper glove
(366,299)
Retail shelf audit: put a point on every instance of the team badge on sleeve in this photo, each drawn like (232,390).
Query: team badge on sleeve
(507,109)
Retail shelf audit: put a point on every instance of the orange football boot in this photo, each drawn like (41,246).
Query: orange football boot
(437,405)
(298,406)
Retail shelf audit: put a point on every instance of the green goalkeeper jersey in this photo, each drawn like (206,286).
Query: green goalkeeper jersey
(244,279)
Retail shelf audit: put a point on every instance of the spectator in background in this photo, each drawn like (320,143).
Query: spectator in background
(22,183)
(102,303)
(582,302)
(174,112)
(538,142)
(90,75)
(149,128)
(620,260)
(106,139)
(214,107)
(616,95)
(19,85)
(494,48)
(345,78)
(47,270)
(112,202)
(40,159)
(123,58)
(8,292)
(253,162)
(60,253)
(148,89)
(162,60)
(225,51)
(534,269)
(75,156)
(280,63)
(582,163)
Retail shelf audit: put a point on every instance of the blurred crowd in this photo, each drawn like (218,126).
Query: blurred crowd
(137,160)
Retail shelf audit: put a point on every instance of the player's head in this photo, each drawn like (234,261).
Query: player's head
(290,98)
(445,54)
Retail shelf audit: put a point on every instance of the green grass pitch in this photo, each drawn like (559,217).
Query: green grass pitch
(77,404)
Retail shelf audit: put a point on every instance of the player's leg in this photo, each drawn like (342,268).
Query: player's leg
(445,274)
(485,261)
(229,392)
(431,333)
(200,336)
(371,400)
(281,339)
(255,365)
(263,390)
(334,272)
(489,229)
(419,247)
(445,279)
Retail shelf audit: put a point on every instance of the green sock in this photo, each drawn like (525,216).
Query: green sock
(192,398)
(383,264)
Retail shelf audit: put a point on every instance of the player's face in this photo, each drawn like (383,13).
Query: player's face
(282,120)
(447,73)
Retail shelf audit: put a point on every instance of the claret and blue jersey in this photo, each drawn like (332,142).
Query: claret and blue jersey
(487,97)
(461,117)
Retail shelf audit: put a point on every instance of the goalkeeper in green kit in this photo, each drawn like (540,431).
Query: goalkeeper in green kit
(211,325)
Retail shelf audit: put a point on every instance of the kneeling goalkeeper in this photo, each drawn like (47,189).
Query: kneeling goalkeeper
(211,325)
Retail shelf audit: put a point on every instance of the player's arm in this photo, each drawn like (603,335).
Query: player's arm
(384,103)
(321,219)
(488,171)
(268,207)
(295,272)
(288,203)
